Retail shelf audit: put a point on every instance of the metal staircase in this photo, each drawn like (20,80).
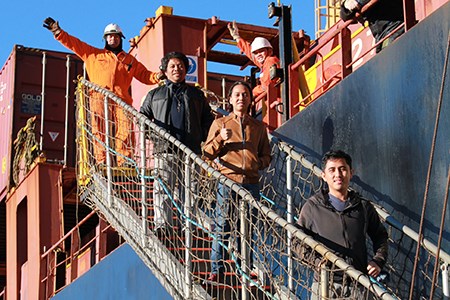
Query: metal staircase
(179,256)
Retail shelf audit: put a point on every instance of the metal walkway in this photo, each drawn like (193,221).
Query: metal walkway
(179,256)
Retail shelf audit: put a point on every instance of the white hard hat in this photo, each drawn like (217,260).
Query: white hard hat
(259,43)
(113,28)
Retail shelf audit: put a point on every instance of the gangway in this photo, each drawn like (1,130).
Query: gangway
(179,258)
(286,184)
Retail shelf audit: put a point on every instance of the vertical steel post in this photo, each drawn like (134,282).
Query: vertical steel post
(66,117)
(445,283)
(224,92)
(290,219)
(187,226)
(245,251)
(143,161)
(108,156)
(41,132)
(253,72)
(345,40)
(324,281)
(285,27)
(409,9)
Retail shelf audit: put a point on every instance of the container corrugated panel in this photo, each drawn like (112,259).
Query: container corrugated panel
(21,91)
(6,108)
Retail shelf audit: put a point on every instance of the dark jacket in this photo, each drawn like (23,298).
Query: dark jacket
(345,232)
(383,17)
(198,116)
(246,152)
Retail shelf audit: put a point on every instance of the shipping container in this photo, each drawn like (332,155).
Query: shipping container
(29,78)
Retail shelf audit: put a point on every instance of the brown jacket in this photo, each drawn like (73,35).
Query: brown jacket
(246,152)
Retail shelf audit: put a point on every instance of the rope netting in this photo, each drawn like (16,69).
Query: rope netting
(168,205)
(25,150)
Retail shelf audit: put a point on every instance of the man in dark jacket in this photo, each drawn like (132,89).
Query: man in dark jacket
(341,219)
(383,17)
(184,112)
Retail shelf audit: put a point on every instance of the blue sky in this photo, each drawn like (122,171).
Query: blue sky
(22,20)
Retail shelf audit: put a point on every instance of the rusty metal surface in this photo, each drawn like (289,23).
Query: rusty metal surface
(33,216)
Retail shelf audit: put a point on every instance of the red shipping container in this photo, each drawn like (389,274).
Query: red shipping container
(24,81)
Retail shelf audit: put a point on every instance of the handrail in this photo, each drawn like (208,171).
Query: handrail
(278,220)
(246,196)
(428,245)
(50,273)
(388,218)
(323,40)
(377,44)
(56,245)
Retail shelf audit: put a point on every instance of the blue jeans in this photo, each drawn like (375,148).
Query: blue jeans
(225,212)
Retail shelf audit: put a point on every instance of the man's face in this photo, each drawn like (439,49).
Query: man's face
(337,175)
(176,72)
(113,40)
(240,99)
(261,54)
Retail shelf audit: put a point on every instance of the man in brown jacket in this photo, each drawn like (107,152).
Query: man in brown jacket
(240,146)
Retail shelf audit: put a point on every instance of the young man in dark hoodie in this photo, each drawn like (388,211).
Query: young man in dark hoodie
(341,220)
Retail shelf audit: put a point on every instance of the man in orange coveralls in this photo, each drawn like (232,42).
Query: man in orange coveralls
(113,69)
(260,52)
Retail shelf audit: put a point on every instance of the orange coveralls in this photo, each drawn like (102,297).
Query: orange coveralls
(265,67)
(114,73)
(264,75)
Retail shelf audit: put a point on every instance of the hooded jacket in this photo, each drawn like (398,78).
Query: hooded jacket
(244,154)
(345,232)
(111,71)
(198,118)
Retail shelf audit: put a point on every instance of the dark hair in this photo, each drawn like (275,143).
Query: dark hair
(247,86)
(169,56)
(336,154)
(249,89)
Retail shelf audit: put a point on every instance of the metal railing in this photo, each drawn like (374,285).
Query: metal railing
(61,260)
(261,231)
